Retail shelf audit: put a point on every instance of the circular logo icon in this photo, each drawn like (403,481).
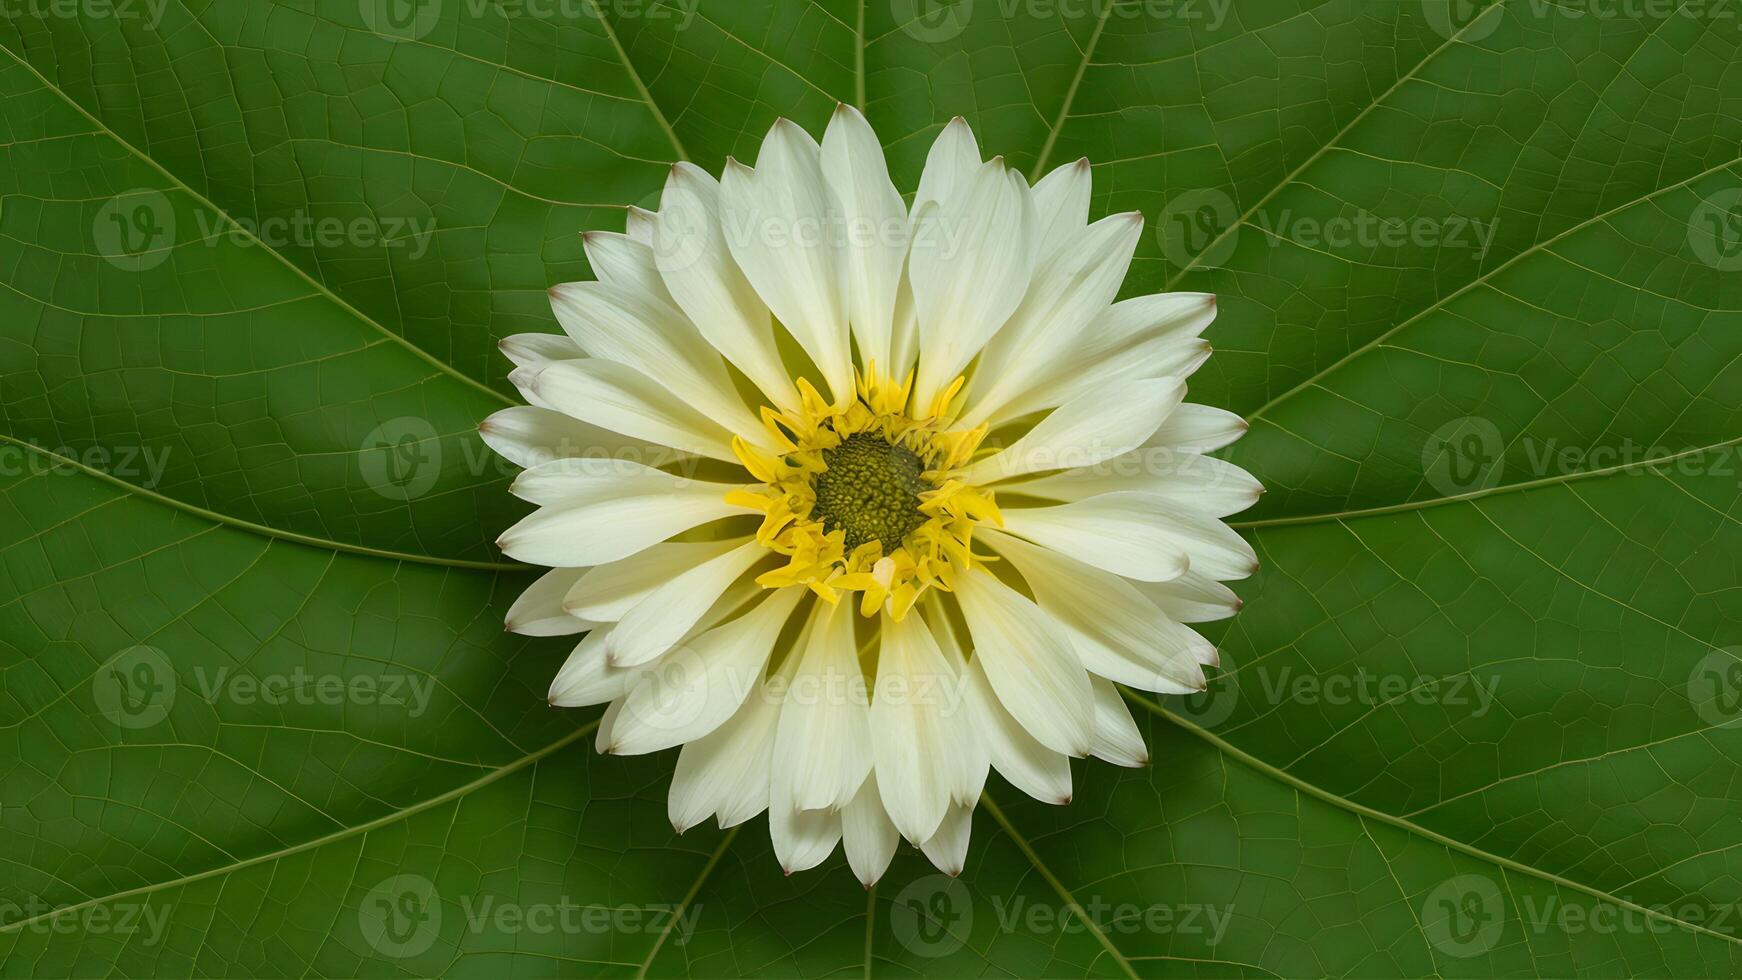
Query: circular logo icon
(1464,916)
(1198,229)
(1463,456)
(683,233)
(1209,707)
(401,916)
(135,230)
(932,21)
(1715,230)
(1715,686)
(401,458)
(1466,20)
(136,689)
(402,20)
(932,916)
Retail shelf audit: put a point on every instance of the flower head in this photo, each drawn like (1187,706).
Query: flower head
(856,500)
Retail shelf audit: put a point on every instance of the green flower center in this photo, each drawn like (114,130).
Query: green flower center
(871,490)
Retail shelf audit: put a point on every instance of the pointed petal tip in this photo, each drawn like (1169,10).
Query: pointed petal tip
(1065,800)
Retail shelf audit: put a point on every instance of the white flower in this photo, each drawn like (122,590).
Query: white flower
(856,501)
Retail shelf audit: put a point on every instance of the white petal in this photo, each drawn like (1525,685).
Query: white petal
(607,721)
(971,262)
(706,283)
(1119,532)
(875,232)
(950,165)
(704,682)
(641,224)
(822,750)
(645,334)
(527,436)
(1215,549)
(607,592)
(536,349)
(586,479)
(1199,429)
(668,612)
(1116,631)
(1145,337)
(626,264)
(1085,431)
(802,839)
(1202,483)
(1061,205)
(1029,660)
(870,838)
(1068,291)
(622,399)
(606,530)
(966,763)
(1192,598)
(539,610)
(726,771)
(585,678)
(782,226)
(948,848)
(1028,765)
(914,715)
(1117,739)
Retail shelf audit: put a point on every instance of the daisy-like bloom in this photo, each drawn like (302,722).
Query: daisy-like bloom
(856,501)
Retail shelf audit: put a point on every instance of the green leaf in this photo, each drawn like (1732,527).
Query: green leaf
(1478,278)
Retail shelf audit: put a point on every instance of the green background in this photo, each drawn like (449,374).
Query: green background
(1478,717)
